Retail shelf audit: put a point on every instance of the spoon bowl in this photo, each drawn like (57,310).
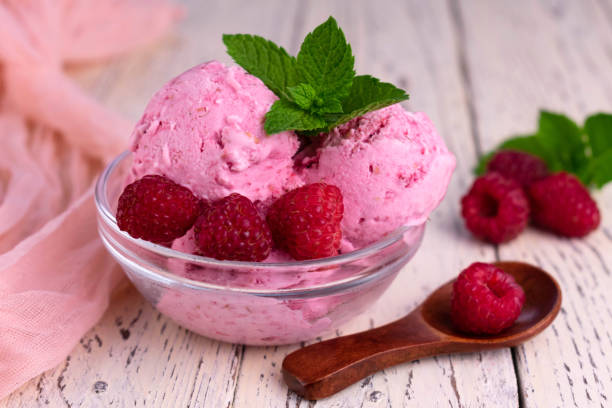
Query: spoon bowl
(542,303)
(324,368)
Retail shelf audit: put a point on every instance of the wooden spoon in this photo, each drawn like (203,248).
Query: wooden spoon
(322,369)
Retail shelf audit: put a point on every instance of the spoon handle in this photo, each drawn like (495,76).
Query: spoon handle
(324,368)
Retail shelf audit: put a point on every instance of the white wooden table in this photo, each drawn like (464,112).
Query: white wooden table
(481,70)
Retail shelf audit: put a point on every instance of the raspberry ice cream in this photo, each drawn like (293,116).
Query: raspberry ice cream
(204,130)
(392,168)
(280,319)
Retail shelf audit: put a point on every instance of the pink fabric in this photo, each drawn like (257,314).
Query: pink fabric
(55,277)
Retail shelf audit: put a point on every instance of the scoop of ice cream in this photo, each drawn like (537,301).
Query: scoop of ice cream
(392,168)
(204,130)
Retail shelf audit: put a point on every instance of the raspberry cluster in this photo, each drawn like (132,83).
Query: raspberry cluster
(517,187)
(305,221)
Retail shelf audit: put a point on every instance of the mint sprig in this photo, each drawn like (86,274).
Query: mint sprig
(284,114)
(584,151)
(318,90)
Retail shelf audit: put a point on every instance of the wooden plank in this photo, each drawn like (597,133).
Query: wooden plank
(523,56)
(411,44)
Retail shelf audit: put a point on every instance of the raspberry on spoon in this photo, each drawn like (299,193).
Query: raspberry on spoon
(485,299)
(231,228)
(306,221)
(157,209)
(495,209)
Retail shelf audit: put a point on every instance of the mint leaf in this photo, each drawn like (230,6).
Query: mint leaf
(367,94)
(330,105)
(318,90)
(306,98)
(600,169)
(559,134)
(326,62)
(285,115)
(303,95)
(598,128)
(263,59)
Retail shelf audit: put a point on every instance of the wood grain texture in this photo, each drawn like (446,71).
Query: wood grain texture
(481,70)
(523,56)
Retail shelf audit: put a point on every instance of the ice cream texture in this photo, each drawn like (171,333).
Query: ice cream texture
(204,130)
(392,167)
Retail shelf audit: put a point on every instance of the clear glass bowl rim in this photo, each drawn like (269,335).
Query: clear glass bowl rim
(104,211)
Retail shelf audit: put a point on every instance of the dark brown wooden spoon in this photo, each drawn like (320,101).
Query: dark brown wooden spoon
(322,369)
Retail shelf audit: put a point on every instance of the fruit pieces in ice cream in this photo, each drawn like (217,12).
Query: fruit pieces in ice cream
(230,315)
(157,209)
(391,166)
(204,130)
(231,228)
(244,319)
(306,221)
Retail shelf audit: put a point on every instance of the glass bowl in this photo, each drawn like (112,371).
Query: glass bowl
(251,302)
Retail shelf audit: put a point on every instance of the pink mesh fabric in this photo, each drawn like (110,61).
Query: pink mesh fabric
(55,277)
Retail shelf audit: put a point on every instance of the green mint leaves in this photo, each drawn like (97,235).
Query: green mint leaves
(325,61)
(318,90)
(284,115)
(584,151)
(263,59)
(368,94)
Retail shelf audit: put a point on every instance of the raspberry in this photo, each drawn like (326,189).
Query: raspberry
(561,204)
(495,209)
(485,299)
(157,209)
(523,168)
(231,228)
(306,221)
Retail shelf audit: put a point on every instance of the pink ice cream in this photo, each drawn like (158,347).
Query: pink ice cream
(392,168)
(204,130)
(260,320)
